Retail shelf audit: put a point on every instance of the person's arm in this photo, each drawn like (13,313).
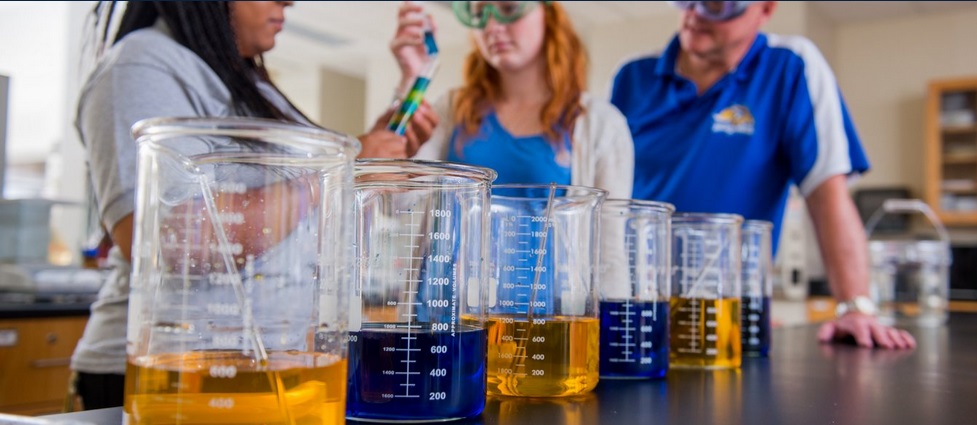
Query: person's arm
(122,236)
(842,242)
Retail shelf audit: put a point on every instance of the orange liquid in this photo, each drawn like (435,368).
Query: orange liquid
(705,333)
(557,356)
(226,387)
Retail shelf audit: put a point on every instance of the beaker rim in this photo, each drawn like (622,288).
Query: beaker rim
(702,217)
(477,175)
(573,191)
(758,224)
(622,202)
(313,139)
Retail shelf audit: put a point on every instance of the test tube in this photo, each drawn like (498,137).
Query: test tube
(757,287)
(412,100)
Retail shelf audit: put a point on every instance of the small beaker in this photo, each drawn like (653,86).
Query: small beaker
(635,287)
(757,286)
(543,320)
(705,307)
(910,278)
(241,273)
(417,333)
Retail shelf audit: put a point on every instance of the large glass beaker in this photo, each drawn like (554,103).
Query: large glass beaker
(241,273)
(543,320)
(635,287)
(705,307)
(418,340)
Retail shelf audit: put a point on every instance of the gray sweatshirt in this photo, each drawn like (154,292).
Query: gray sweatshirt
(145,75)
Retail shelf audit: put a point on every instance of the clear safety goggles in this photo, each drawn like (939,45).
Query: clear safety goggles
(716,11)
(475,14)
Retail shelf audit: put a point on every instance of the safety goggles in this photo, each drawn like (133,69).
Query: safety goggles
(716,11)
(475,14)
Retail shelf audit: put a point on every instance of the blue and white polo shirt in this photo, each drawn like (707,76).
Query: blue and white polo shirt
(777,119)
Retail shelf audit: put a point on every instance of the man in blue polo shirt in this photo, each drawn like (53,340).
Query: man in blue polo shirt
(727,118)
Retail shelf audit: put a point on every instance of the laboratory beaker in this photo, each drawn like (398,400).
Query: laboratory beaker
(705,303)
(543,320)
(757,263)
(418,339)
(635,286)
(241,273)
(910,278)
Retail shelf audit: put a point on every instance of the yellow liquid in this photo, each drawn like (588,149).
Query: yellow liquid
(704,333)
(227,387)
(557,356)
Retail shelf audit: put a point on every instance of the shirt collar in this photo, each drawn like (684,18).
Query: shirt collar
(666,65)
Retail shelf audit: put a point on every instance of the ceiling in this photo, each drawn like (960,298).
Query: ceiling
(343,34)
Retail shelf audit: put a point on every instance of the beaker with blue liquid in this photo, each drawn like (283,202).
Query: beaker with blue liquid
(417,338)
(757,267)
(543,321)
(635,287)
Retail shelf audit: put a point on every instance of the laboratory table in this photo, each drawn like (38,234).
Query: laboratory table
(802,382)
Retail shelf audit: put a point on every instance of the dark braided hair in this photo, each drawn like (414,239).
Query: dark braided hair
(205,28)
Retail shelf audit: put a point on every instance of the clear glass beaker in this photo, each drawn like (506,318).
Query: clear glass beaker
(241,273)
(635,287)
(910,278)
(705,307)
(542,308)
(418,341)
(757,264)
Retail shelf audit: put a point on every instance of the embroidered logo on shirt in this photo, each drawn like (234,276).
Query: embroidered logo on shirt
(732,120)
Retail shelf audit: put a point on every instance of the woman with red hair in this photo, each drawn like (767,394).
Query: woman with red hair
(522,110)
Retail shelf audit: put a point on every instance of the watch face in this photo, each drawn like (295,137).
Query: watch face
(864,305)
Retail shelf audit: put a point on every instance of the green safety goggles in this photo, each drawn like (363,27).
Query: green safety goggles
(475,14)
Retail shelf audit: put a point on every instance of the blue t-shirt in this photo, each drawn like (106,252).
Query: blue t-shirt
(777,119)
(525,159)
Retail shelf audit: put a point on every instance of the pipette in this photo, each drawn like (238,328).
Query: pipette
(400,119)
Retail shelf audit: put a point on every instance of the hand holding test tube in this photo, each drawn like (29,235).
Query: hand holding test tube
(412,100)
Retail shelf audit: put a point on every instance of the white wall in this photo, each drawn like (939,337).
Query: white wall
(342,102)
(42,45)
(35,56)
(883,68)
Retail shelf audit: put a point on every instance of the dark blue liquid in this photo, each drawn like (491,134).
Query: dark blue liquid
(633,339)
(428,382)
(756,326)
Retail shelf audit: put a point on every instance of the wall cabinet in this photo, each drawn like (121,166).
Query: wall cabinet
(951,150)
(34,363)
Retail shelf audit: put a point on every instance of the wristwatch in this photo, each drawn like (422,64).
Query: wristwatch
(859,304)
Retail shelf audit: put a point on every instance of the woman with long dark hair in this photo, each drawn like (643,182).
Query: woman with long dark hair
(173,59)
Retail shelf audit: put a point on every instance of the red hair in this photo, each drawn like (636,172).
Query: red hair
(566,75)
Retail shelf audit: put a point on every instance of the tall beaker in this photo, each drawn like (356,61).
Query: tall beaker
(241,273)
(543,318)
(418,340)
(635,286)
(705,307)
(757,264)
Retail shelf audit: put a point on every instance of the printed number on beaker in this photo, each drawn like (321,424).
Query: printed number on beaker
(218,371)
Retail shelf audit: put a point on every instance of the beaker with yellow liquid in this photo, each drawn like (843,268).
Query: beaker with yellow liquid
(241,273)
(542,320)
(705,301)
